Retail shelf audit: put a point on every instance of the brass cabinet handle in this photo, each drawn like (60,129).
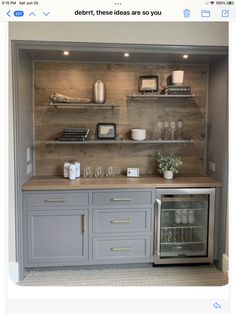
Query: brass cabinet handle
(55,200)
(120,249)
(83,223)
(122,221)
(126,199)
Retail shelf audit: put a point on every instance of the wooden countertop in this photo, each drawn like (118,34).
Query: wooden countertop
(119,182)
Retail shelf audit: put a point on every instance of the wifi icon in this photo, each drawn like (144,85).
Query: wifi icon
(212,2)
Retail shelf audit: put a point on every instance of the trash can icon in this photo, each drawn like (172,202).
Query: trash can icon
(186,13)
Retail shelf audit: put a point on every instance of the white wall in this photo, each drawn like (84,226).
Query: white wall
(180,33)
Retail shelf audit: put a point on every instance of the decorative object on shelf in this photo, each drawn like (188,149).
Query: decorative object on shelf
(77,169)
(98,172)
(166,132)
(106,131)
(138,134)
(168,164)
(74,134)
(71,170)
(66,169)
(177,90)
(60,98)
(88,173)
(72,175)
(172,129)
(110,171)
(159,130)
(178,131)
(132,172)
(177,77)
(99,92)
(148,84)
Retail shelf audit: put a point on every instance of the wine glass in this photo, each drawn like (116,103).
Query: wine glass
(172,128)
(165,130)
(179,130)
(88,172)
(159,129)
(110,171)
(98,172)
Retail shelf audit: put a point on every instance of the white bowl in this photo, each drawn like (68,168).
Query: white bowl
(138,134)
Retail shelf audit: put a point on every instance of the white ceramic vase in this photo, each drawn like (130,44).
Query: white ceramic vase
(177,77)
(168,175)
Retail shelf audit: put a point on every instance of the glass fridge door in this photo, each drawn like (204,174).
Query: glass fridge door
(184,225)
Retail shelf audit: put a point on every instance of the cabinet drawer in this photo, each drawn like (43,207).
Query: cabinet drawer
(116,220)
(56,199)
(116,249)
(122,198)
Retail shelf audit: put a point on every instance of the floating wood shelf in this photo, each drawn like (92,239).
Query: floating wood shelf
(119,141)
(83,105)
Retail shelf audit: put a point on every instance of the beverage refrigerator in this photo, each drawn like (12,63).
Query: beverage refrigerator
(184,226)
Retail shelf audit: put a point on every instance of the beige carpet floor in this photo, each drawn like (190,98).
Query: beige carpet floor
(140,276)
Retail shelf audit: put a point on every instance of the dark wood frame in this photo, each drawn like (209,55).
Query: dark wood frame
(148,89)
(112,125)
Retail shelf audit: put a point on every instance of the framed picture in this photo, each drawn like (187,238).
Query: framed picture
(148,84)
(106,131)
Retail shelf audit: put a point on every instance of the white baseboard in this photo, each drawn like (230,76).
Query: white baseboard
(13,271)
(225,263)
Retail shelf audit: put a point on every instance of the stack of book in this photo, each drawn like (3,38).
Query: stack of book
(75,134)
(177,90)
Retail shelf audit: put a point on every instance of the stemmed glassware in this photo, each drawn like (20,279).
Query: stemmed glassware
(88,172)
(172,129)
(179,130)
(166,131)
(110,172)
(169,130)
(159,130)
(99,173)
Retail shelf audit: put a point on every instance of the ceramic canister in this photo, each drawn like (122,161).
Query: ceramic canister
(72,172)
(177,77)
(99,92)
(66,169)
(77,169)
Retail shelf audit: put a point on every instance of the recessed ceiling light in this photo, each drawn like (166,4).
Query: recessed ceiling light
(185,56)
(66,53)
(126,54)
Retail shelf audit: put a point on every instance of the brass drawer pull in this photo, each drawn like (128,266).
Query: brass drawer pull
(120,249)
(55,200)
(127,199)
(83,223)
(127,221)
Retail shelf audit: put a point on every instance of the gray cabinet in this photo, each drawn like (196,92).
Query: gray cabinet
(55,228)
(122,226)
(125,249)
(56,237)
(89,227)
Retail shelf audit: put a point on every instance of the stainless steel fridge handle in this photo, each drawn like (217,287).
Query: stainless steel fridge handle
(158,201)
(157,226)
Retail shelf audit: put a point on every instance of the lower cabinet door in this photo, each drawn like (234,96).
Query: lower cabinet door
(56,237)
(122,249)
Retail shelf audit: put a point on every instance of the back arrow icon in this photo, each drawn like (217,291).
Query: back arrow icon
(8,13)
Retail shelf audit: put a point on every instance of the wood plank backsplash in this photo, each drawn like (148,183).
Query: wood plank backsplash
(76,80)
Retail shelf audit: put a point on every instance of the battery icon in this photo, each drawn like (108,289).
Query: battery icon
(229,2)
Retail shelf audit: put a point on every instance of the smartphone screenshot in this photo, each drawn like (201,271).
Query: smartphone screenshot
(118,150)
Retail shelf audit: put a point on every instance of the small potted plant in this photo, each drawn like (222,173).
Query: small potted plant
(168,164)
